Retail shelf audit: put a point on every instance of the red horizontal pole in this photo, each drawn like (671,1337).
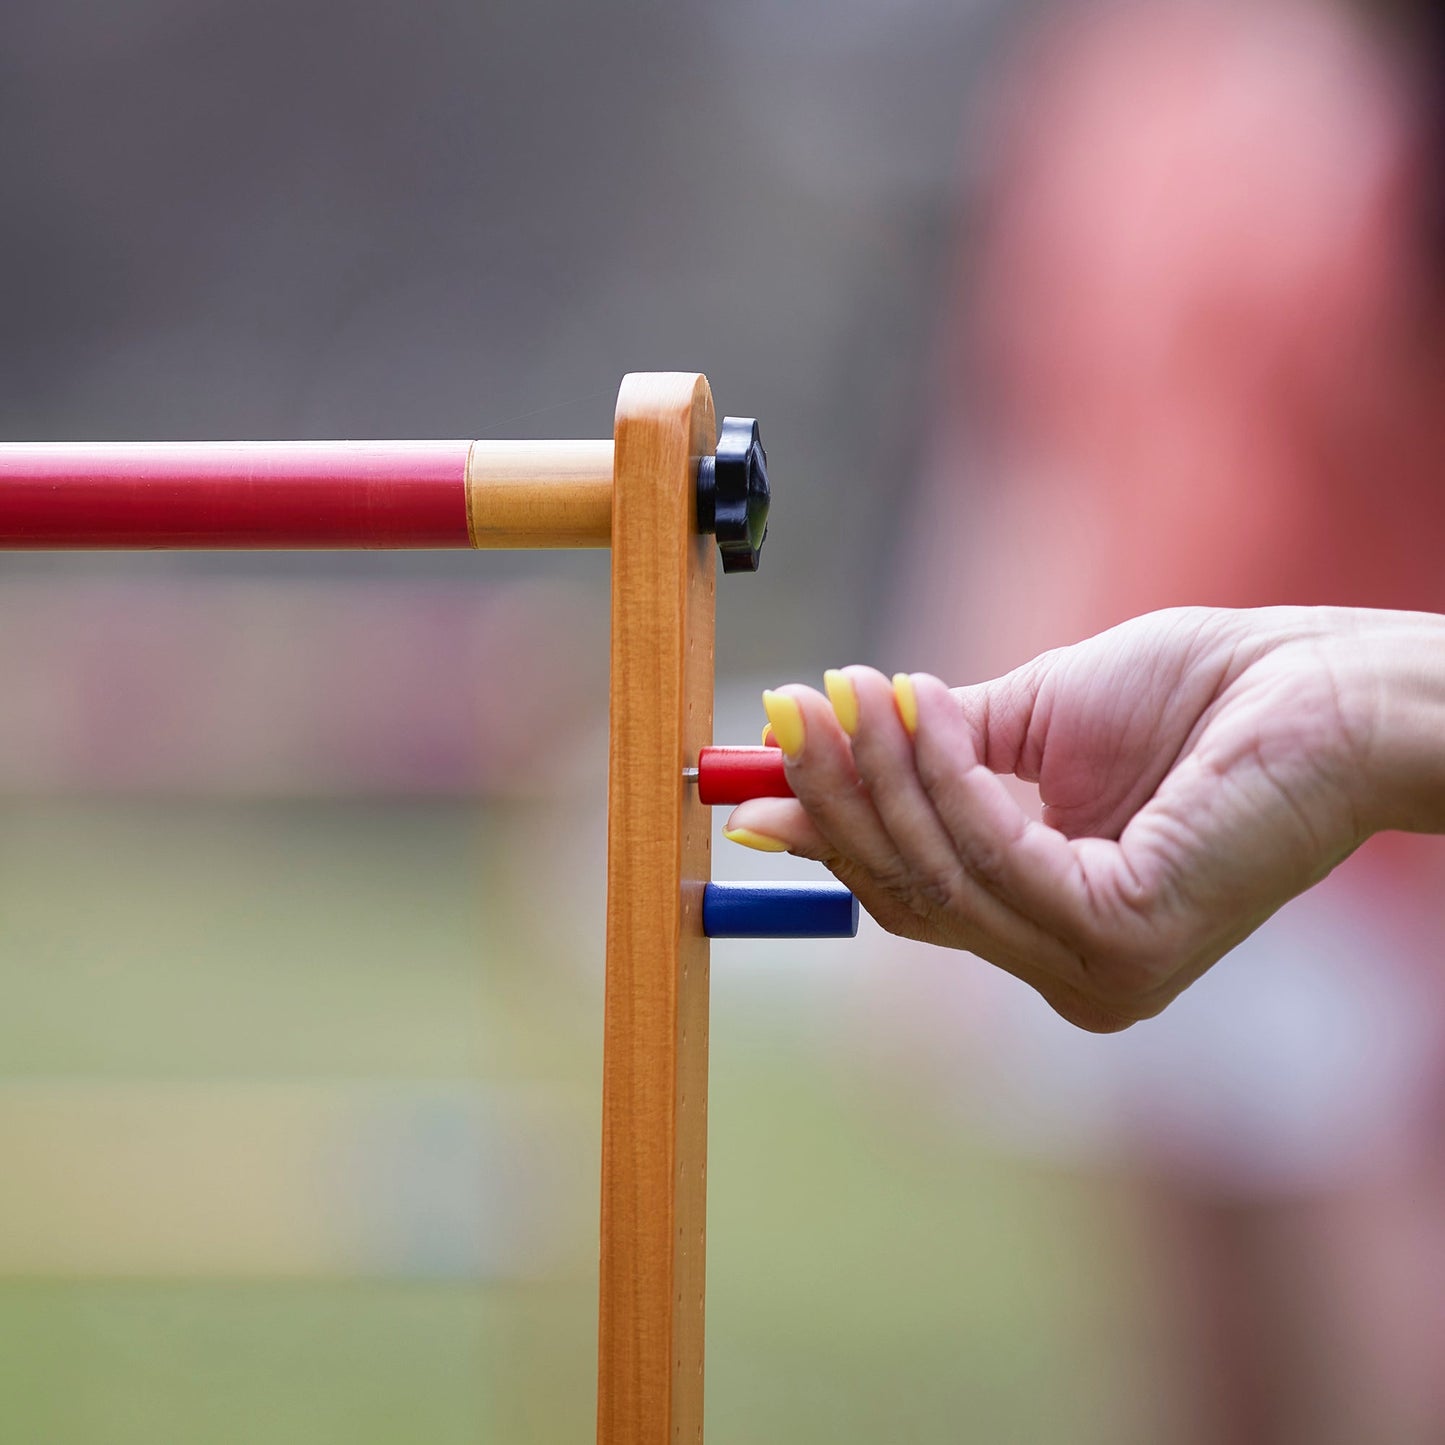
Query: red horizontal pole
(62,495)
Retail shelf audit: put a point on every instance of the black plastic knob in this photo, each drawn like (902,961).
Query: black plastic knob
(733,495)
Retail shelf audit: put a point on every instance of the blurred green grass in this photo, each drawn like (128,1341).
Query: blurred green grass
(290,1364)
(873,1273)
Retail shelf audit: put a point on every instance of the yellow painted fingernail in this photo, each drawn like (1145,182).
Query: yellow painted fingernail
(760,841)
(844,699)
(769,741)
(787,719)
(907,700)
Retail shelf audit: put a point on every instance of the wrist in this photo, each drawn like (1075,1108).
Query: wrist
(1392,692)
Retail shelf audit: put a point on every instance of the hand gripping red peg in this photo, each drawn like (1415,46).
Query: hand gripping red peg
(764,910)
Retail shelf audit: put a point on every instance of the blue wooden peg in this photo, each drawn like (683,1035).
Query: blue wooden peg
(779,910)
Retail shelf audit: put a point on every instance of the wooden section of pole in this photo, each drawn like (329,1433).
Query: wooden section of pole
(68,496)
(654,1076)
(527,494)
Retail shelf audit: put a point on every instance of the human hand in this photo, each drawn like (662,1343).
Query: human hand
(1198,768)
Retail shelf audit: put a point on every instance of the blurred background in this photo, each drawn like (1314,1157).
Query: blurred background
(1051,314)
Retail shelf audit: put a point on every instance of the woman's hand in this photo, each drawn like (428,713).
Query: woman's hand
(1198,768)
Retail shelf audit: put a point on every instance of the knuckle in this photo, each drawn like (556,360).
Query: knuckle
(1082,1009)
(904,923)
(987,864)
(937,893)
(891,882)
(885,910)
(1131,977)
(843,868)
(1097,1020)
(915,903)
(896,880)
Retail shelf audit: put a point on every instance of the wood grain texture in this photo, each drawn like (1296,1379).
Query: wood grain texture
(539,494)
(654,1085)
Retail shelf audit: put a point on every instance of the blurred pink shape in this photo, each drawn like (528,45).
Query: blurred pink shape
(199,686)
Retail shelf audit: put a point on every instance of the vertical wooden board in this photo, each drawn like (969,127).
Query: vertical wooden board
(654,1073)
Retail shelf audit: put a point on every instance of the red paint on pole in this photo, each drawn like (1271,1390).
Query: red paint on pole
(733,775)
(61,495)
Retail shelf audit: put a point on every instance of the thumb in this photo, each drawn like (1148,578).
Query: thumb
(999,714)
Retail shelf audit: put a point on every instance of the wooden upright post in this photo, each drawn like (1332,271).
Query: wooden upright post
(654,1071)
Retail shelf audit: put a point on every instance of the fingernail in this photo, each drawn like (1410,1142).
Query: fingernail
(769,741)
(760,841)
(787,719)
(907,700)
(844,699)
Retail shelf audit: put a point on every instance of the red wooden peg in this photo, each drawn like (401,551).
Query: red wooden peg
(733,775)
